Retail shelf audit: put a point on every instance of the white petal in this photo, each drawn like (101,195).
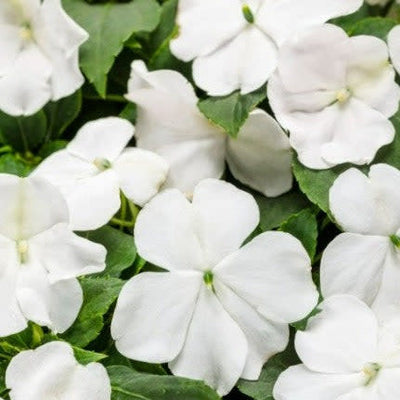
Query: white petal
(273,274)
(320,55)
(25,89)
(29,206)
(153,314)
(225,217)
(353,264)
(394,46)
(166,233)
(170,124)
(300,383)
(367,205)
(260,156)
(341,339)
(141,173)
(11,318)
(205,26)
(283,19)
(54,305)
(102,138)
(215,348)
(244,63)
(93,201)
(10,46)
(264,338)
(66,255)
(51,370)
(371,77)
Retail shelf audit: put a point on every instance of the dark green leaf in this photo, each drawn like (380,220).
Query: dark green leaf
(304,227)
(86,357)
(374,26)
(231,112)
(13,164)
(51,147)
(109,26)
(99,294)
(121,251)
(128,384)
(347,22)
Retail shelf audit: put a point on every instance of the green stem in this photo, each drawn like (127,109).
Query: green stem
(120,222)
(110,97)
(23,136)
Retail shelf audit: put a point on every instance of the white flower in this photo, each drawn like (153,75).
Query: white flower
(169,123)
(346,355)
(40,257)
(234,43)
(365,261)
(95,166)
(394,47)
(51,372)
(220,311)
(335,95)
(39,46)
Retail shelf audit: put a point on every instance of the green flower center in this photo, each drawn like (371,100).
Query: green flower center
(371,371)
(395,240)
(208,278)
(248,14)
(22,249)
(102,164)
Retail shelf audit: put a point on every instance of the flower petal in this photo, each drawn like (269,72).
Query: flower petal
(225,217)
(260,156)
(215,348)
(264,338)
(205,26)
(29,206)
(141,173)
(273,274)
(166,233)
(245,63)
(53,305)
(353,264)
(300,383)
(394,47)
(102,138)
(153,314)
(10,46)
(66,255)
(367,205)
(341,339)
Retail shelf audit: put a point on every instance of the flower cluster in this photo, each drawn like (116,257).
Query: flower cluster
(245,199)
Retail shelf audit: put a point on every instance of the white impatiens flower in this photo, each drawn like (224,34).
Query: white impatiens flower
(335,95)
(39,46)
(40,257)
(220,311)
(346,355)
(394,47)
(95,166)
(51,372)
(365,260)
(170,124)
(234,43)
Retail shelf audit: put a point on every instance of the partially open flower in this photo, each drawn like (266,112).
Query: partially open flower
(170,124)
(337,100)
(95,166)
(51,372)
(221,310)
(40,257)
(39,46)
(234,43)
(346,355)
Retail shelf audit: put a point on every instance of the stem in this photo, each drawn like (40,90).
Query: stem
(23,137)
(120,222)
(111,97)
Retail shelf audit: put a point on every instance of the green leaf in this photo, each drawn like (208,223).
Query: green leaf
(51,147)
(121,250)
(109,26)
(374,26)
(348,21)
(390,154)
(23,133)
(85,357)
(128,384)
(263,388)
(231,112)
(303,226)
(60,114)
(12,164)
(276,210)
(99,295)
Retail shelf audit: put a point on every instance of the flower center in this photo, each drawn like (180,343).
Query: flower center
(208,278)
(248,14)
(343,95)
(102,164)
(25,32)
(371,371)
(395,240)
(22,249)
